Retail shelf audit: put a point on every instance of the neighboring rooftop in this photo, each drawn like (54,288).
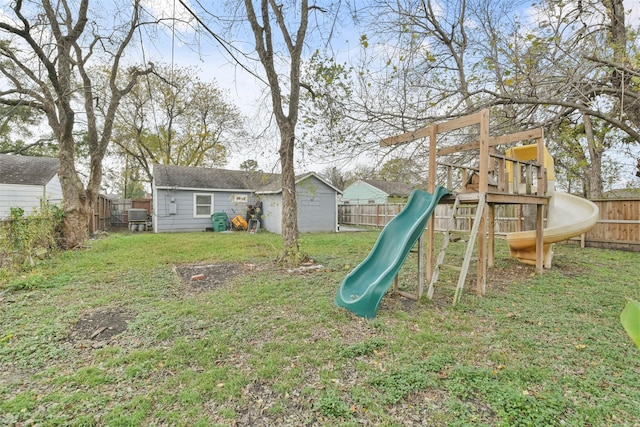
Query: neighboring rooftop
(27,170)
(393,189)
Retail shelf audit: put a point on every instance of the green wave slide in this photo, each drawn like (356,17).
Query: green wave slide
(362,290)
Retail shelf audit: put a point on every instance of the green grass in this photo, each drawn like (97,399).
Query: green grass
(269,347)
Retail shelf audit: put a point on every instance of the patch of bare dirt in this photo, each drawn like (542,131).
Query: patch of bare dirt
(499,278)
(100,326)
(207,277)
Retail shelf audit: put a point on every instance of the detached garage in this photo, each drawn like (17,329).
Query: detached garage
(184,198)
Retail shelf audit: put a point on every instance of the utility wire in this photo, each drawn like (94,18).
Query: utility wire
(222,42)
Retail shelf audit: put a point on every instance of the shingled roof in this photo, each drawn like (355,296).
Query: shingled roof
(168,176)
(393,189)
(27,170)
(276,187)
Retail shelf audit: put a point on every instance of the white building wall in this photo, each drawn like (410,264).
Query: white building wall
(26,197)
(272,211)
(53,191)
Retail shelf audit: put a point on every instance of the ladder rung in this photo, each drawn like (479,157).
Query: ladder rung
(452,267)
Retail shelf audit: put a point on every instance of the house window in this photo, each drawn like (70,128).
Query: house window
(372,201)
(202,205)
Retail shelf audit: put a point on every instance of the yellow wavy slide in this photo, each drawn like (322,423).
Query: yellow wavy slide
(568,216)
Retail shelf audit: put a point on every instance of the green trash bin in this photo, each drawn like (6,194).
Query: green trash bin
(219,220)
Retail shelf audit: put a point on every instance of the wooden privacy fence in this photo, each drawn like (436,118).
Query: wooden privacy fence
(508,217)
(617,228)
(371,215)
(101,219)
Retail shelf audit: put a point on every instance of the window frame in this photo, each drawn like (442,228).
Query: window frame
(195,205)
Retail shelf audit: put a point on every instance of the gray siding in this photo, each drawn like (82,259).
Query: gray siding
(181,202)
(316,206)
(317,210)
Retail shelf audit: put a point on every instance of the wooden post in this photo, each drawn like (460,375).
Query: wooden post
(420,266)
(503,178)
(540,149)
(484,152)
(539,239)
(483,189)
(433,135)
(481,283)
(491,235)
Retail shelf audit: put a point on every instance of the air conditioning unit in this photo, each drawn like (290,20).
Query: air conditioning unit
(138,214)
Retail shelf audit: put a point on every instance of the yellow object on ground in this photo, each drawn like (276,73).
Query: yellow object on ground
(568,216)
(239,222)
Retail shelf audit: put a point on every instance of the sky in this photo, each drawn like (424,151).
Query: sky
(244,90)
(181,46)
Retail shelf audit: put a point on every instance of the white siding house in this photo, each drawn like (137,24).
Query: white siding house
(184,198)
(26,181)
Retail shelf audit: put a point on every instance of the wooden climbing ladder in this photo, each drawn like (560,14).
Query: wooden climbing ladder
(464,268)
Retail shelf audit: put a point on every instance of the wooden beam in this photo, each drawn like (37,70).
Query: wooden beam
(493,141)
(518,136)
(460,122)
(406,137)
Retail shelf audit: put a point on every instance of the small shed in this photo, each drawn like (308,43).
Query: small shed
(27,181)
(317,202)
(376,192)
(185,198)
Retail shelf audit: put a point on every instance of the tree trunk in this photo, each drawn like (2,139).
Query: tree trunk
(593,174)
(290,246)
(75,204)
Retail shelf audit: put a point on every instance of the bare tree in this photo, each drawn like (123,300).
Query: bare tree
(47,55)
(576,69)
(173,117)
(285,106)
(575,66)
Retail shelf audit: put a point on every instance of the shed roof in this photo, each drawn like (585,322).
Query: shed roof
(27,170)
(276,187)
(392,188)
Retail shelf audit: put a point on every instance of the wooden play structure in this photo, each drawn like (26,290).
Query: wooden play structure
(483,175)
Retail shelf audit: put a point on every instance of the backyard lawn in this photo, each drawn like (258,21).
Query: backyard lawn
(117,334)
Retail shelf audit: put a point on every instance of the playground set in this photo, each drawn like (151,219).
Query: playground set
(481,173)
